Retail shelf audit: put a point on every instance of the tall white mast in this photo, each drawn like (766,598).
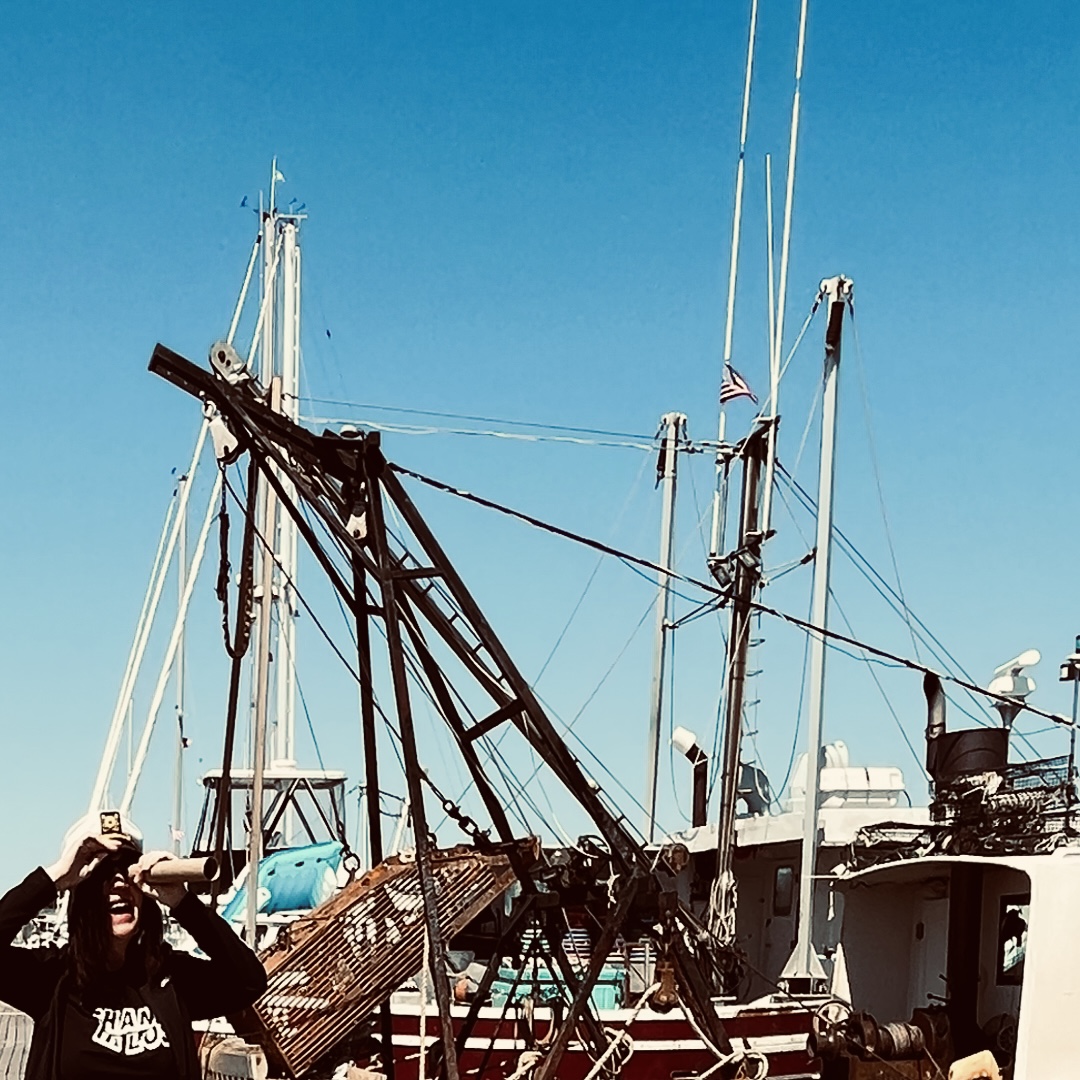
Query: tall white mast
(166,548)
(673,426)
(177,827)
(723,453)
(267,371)
(274,691)
(803,970)
(284,746)
(262,700)
(785,251)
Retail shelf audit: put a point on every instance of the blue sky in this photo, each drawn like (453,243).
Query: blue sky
(523,212)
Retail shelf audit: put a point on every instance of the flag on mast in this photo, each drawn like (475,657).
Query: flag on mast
(733,386)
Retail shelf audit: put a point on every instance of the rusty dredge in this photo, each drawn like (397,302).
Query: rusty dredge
(335,969)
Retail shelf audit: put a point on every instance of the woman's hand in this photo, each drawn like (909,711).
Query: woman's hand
(168,894)
(79,858)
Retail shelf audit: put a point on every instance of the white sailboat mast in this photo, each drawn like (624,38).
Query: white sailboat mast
(803,969)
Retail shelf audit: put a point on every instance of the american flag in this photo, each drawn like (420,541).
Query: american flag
(733,386)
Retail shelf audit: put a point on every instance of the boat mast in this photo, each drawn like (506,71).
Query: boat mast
(262,699)
(264,332)
(743,569)
(162,560)
(673,426)
(279,352)
(266,511)
(785,252)
(803,971)
(723,451)
(177,830)
(279,326)
(284,748)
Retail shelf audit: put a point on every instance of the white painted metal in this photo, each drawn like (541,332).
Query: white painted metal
(262,345)
(262,697)
(142,635)
(176,828)
(804,963)
(259,334)
(673,425)
(716,542)
(884,902)
(244,288)
(400,827)
(284,742)
(781,299)
(772,276)
(269,296)
(170,652)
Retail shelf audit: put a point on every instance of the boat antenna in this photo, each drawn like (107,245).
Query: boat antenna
(781,298)
(723,453)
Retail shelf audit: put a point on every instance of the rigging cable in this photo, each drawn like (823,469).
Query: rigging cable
(514,436)
(569,726)
(881,689)
(490,750)
(784,616)
(798,714)
(863,656)
(861,373)
(592,577)
(601,764)
(419,682)
(882,587)
(480,419)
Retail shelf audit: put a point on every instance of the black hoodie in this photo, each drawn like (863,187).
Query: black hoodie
(186,988)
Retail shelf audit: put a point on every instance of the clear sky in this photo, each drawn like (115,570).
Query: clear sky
(523,212)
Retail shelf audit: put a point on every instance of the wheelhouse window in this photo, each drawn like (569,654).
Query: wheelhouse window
(1012,939)
(783,890)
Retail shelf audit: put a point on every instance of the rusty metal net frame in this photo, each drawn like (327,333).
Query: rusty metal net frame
(329,970)
(422,605)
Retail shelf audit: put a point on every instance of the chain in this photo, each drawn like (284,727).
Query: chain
(241,637)
(465,823)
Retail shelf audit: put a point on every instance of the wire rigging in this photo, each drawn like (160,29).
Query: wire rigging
(513,436)
(784,616)
(592,576)
(333,645)
(883,588)
(479,419)
(860,371)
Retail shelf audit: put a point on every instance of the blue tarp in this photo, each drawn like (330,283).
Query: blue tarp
(297,879)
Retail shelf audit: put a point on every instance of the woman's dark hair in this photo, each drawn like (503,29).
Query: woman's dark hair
(90,925)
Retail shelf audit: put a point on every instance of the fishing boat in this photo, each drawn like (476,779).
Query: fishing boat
(570,961)
(708,952)
(959,950)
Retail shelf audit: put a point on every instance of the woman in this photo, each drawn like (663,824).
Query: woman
(117,1001)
